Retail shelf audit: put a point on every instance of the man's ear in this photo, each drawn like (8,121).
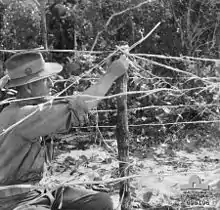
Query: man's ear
(28,89)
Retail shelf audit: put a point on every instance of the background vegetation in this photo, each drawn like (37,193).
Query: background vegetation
(189,28)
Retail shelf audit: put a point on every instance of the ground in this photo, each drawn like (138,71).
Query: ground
(160,173)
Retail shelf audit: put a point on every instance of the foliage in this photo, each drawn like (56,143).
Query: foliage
(188,27)
(21,25)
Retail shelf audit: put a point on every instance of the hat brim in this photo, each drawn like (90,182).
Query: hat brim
(49,70)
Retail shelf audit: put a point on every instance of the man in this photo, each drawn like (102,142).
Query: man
(24,123)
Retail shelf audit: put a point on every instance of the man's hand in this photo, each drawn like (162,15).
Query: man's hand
(119,67)
(79,110)
(116,69)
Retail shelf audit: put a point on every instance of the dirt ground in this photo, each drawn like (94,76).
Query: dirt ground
(160,173)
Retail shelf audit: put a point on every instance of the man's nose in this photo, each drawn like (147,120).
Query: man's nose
(50,83)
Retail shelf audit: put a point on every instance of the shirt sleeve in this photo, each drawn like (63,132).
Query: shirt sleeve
(48,119)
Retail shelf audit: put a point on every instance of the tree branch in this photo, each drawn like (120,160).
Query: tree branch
(123,11)
(114,15)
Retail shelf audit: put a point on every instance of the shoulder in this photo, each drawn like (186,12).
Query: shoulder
(8,115)
(9,109)
(13,112)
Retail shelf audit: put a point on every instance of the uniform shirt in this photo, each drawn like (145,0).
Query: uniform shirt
(22,155)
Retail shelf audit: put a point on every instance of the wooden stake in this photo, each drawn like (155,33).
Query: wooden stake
(122,135)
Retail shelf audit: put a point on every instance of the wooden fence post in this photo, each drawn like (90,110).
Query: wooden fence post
(122,135)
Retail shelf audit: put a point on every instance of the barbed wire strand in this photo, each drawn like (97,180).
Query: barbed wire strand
(181,58)
(135,109)
(133,77)
(93,98)
(169,67)
(161,107)
(155,124)
(57,51)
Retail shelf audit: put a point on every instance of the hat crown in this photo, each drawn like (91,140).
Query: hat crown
(24,64)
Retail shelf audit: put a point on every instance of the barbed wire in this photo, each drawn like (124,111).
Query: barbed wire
(57,51)
(148,92)
(161,107)
(181,58)
(140,108)
(94,98)
(154,124)
(135,77)
(168,67)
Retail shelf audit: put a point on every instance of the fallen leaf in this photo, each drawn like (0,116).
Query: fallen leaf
(147,196)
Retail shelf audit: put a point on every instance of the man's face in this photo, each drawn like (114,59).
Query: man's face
(41,87)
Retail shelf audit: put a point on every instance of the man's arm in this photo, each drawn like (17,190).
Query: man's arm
(60,116)
(51,118)
(116,69)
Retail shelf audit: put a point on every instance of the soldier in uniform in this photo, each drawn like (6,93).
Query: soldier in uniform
(24,123)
